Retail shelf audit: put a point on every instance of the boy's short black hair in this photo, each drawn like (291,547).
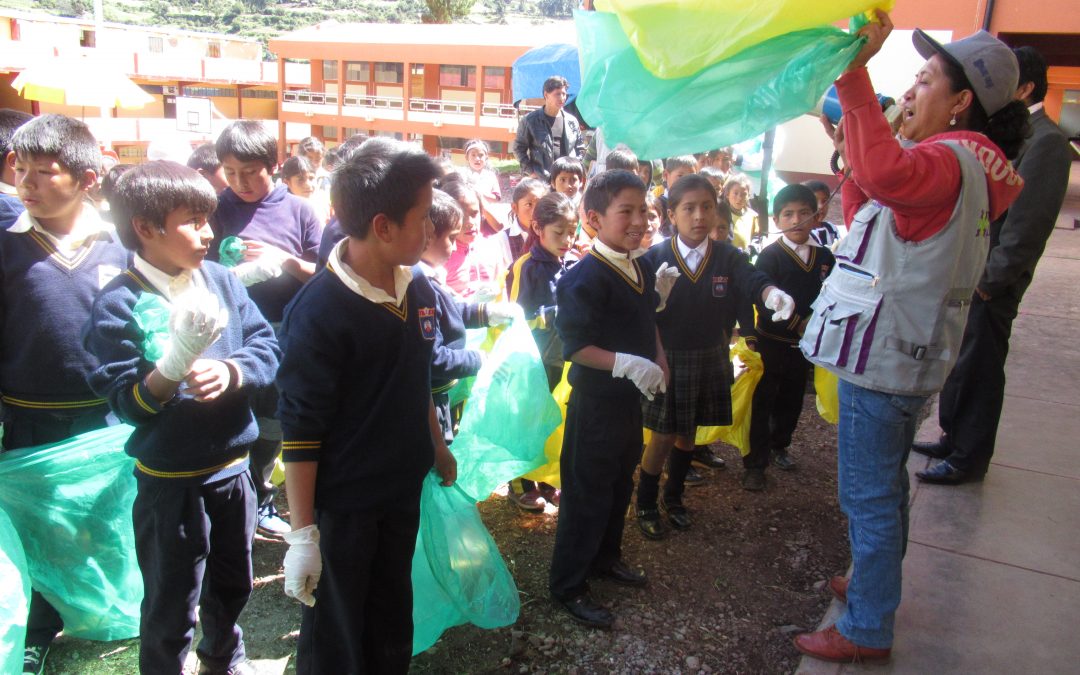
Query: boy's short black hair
(108,182)
(689,183)
(621,158)
(248,141)
(605,186)
(10,121)
(1033,70)
(712,172)
(555,82)
(154,190)
(309,144)
(680,162)
(526,187)
(204,158)
(446,215)
(794,193)
(567,165)
(294,166)
(383,176)
(65,138)
(817,186)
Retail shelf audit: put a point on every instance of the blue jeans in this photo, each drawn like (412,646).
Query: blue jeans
(875,435)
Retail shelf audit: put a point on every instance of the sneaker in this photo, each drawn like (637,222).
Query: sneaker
(694,478)
(705,456)
(271,524)
(34,659)
(783,460)
(753,480)
(551,494)
(532,501)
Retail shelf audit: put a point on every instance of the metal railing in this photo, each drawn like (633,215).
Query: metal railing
(424,105)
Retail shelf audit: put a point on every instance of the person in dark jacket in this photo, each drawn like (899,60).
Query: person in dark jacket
(548,133)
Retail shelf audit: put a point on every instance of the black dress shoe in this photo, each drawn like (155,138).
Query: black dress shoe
(623,574)
(943,473)
(648,521)
(676,515)
(936,449)
(694,478)
(703,455)
(583,610)
(783,460)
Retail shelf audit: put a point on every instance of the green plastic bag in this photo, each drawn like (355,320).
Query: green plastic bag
(151,313)
(14,597)
(727,102)
(458,574)
(677,38)
(508,416)
(231,251)
(71,502)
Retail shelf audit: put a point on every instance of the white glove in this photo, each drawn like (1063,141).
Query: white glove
(781,303)
(503,313)
(257,271)
(665,281)
(485,291)
(303,564)
(646,375)
(196,322)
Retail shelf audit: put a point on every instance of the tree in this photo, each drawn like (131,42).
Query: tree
(447,11)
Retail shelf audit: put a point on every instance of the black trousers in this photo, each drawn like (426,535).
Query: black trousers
(265,450)
(970,402)
(777,402)
(24,428)
(601,448)
(193,543)
(362,619)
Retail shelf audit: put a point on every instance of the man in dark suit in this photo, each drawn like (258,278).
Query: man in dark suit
(970,403)
(548,133)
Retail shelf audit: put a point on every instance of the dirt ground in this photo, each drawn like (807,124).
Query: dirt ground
(723,597)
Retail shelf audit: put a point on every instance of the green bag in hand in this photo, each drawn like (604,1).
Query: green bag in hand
(151,313)
(71,502)
(14,597)
(231,251)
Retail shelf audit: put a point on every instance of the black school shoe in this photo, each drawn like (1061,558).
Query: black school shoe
(34,659)
(623,574)
(243,668)
(783,460)
(676,514)
(694,478)
(937,449)
(586,612)
(706,457)
(944,473)
(648,521)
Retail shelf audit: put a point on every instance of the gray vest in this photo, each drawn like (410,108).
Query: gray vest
(891,315)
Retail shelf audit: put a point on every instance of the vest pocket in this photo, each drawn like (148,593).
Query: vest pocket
(841,328)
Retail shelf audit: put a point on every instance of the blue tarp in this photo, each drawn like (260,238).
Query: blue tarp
(537,65)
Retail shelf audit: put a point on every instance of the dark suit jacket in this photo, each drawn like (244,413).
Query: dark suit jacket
(1018,237)
(535,149)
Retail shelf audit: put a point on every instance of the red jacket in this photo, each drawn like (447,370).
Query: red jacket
(920,184)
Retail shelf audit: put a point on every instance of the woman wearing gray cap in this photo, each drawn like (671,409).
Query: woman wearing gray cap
(890,316)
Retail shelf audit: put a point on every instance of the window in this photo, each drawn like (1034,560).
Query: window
(258,93)
(206,92)
(357,71)
(329,131)
(213,50)
(136,152)
(329,70)
(451,143)
(457,76)
(494,77)
(88,38)
(389,73)
(157,45)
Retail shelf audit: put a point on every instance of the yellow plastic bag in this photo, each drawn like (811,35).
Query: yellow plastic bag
(828,400)
(742,395)
(549,473)
(677,38)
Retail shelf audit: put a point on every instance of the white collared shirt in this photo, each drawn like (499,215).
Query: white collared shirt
(622,261)
(8,189)
(1035,107)
(359,285)
(436,273)
(170,286)
(88,225)
(692,256)
(801,250)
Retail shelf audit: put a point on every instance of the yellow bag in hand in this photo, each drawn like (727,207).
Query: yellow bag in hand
(742,395)
(828,399)
(549,473)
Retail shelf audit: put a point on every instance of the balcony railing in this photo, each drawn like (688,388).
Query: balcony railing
(420,105)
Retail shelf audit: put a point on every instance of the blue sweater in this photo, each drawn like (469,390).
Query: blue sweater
(46,300)
(182,439)
(601,306)
(280,219)
(450,359)
(331,235)
(355,392)
(11,207)
(703,306)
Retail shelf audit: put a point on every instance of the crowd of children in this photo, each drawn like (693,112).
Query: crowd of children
(334,340)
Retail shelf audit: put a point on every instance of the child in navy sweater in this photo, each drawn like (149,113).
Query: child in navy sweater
(194,510)
(11,207)
(54,259)
(695,327)
(798,265)
(281,232)
(607,304)
(360,427)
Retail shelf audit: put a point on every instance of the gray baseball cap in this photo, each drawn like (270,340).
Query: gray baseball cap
(988,63)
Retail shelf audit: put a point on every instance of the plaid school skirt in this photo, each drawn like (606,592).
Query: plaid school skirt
(699,394)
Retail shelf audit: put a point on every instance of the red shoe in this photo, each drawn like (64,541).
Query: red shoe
(838,586)
(830,645)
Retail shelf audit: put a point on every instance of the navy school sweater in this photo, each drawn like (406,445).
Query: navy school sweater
(450,359)
(182,439)
(802,281)
(703,306)
(532,280)
(599,305)
(46,300)
(11,207)
(355,392)
(280,219)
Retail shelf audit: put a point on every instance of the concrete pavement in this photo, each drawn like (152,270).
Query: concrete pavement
(992,573)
